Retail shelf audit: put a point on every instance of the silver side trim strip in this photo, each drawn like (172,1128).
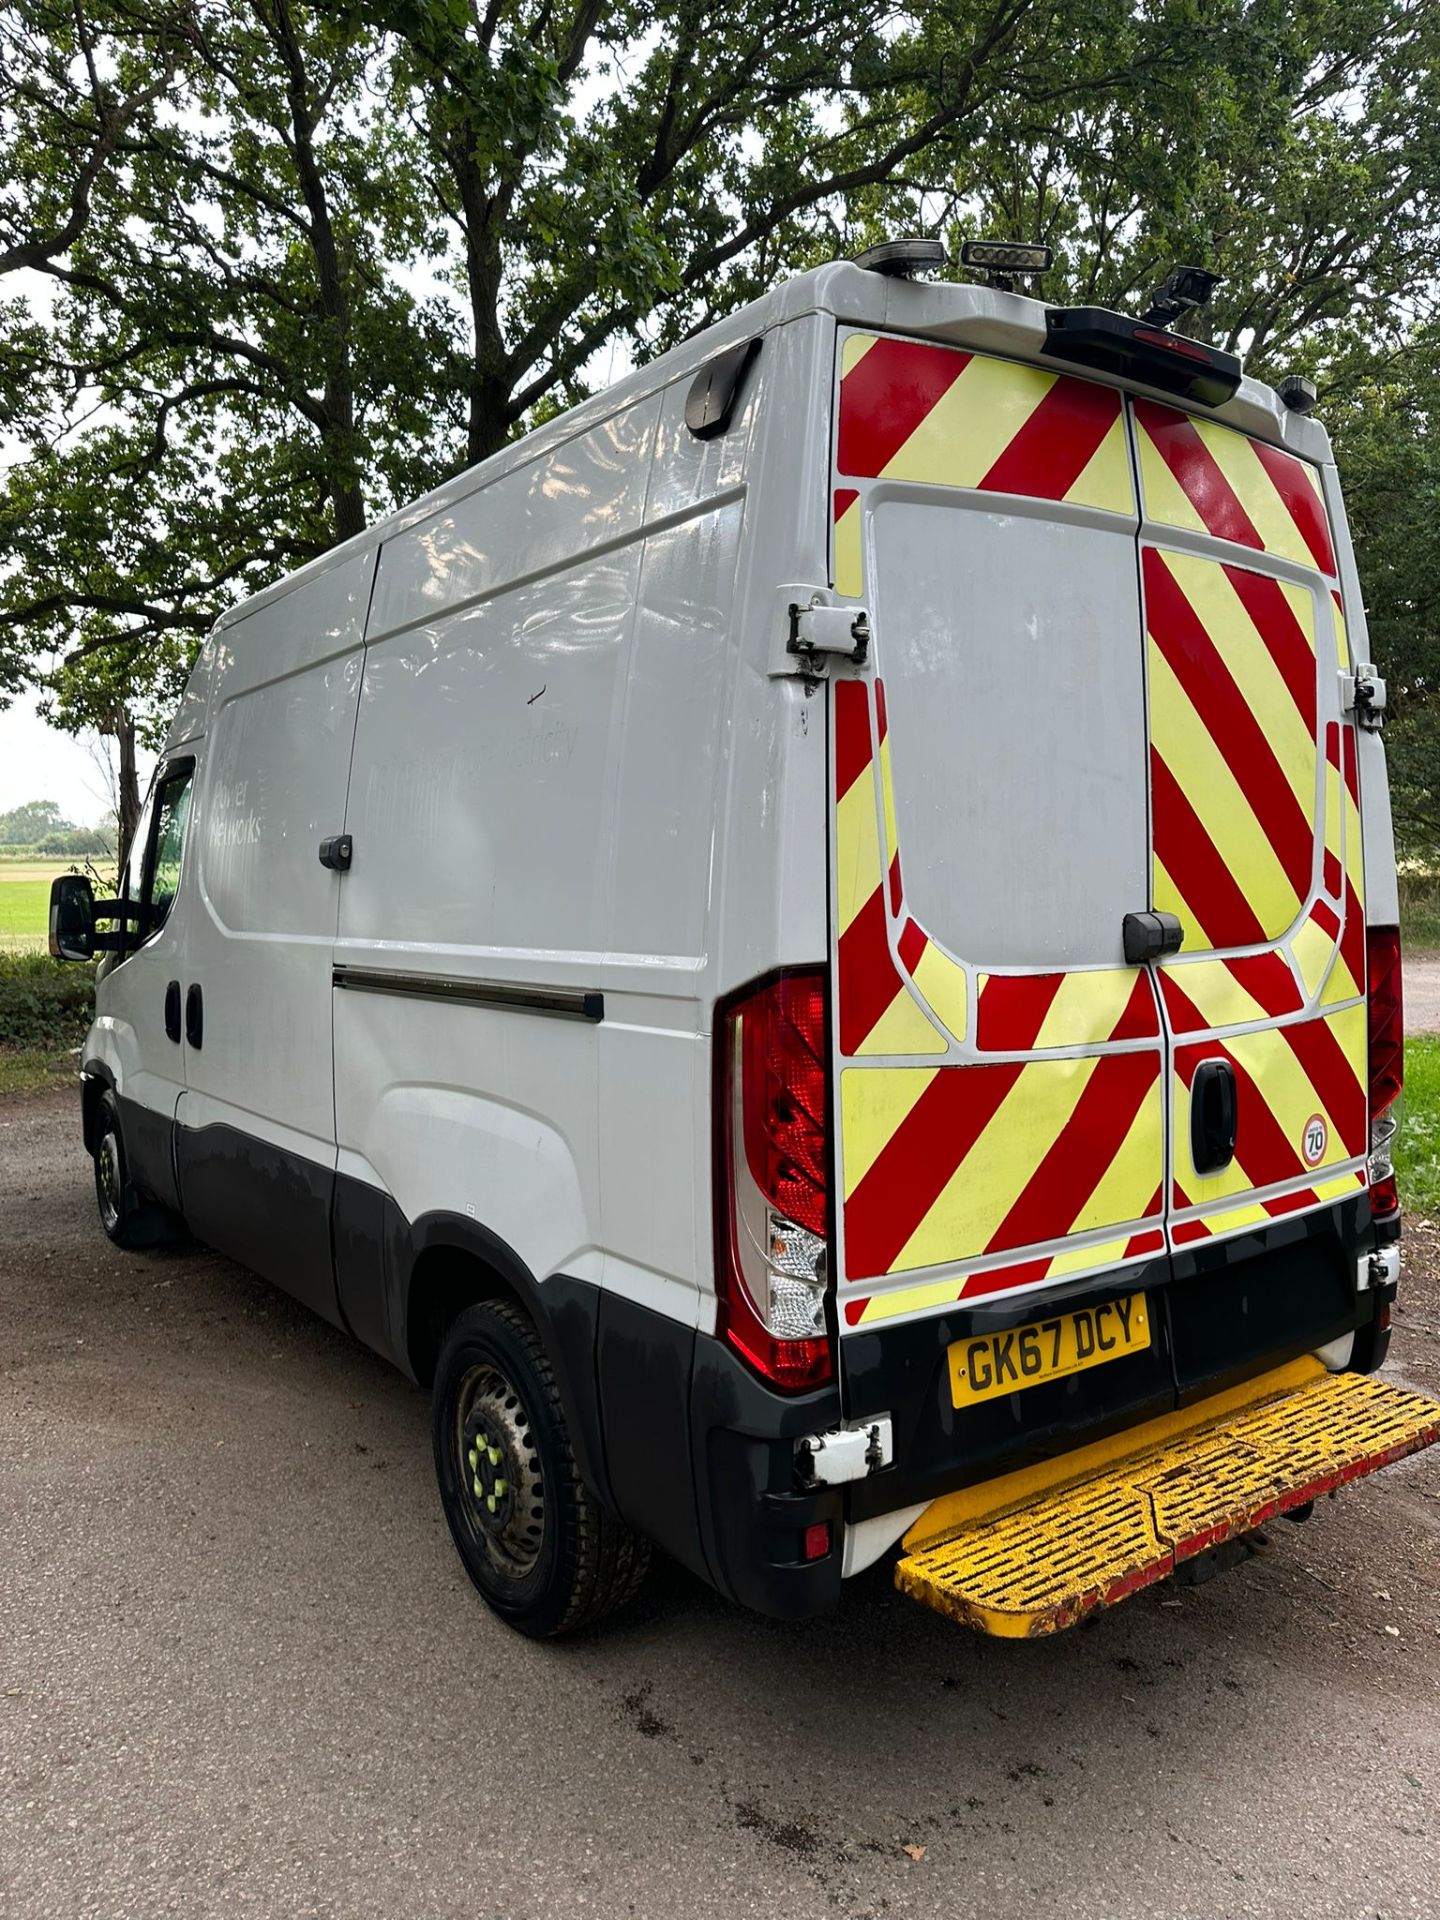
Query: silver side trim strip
(517,996)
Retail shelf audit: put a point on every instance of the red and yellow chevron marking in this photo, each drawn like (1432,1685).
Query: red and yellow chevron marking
(1071,1264)
(1313,944)
(1210,479)
(1034,1012)
(956,1162)
(849,559)
(1201,995)
(877,1013)
(939,980)
(1260,1213)
(894,886)
(1232,747)
(1329,945)
(939,416)
(1350,970)
(1284,1076)
(1343,657)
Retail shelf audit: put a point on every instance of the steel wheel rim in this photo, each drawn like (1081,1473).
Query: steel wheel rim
(108,1184)
(497,1466)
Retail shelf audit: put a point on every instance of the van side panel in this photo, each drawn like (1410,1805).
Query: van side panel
(255,1142)
(533,802)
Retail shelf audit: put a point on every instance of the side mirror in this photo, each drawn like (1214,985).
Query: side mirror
(72,917)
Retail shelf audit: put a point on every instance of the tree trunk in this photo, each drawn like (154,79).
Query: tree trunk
(340,444)
(128,797)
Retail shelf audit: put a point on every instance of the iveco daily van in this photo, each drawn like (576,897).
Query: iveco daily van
(813,947)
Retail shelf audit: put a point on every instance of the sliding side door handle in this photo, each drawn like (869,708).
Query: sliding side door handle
(195,1016)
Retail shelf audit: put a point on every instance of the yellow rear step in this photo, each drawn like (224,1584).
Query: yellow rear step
(1030,1553)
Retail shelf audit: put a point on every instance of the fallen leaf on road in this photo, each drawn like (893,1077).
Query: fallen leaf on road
(915,1853)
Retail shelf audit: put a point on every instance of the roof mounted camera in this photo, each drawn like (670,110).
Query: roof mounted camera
(1181,291)
(903,259)
(1003,262)
(1298,393)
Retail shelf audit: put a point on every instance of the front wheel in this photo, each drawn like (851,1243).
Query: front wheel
(122,1214)
(545,1555)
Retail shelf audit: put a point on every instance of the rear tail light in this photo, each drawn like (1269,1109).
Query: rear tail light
(772,1199)
(1387,1064)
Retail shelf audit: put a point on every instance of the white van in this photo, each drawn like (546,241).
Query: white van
(813,946)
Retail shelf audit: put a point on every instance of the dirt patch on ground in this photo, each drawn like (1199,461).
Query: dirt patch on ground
(1421,985)
(1415,1345)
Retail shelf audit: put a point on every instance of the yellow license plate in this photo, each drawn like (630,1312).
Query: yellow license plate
(992,1364)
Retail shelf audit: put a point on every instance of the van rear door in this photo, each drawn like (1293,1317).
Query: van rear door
(999,1068)
(1088,698)
(1255,804)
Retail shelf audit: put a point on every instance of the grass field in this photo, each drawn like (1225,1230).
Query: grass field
(1417,1160)
(25,901)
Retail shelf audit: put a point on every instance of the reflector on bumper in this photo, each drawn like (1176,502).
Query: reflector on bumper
(1030,1553)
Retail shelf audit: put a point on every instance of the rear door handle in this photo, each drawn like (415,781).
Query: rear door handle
(1213,1114)
(195,1016)
(1148,937)
(172,1012)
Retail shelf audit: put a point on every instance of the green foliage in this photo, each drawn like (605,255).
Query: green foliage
(1417,1156)
(1419,911)
(299,261)
(1388,434)
(44,1004)
(28,824)
(78,843)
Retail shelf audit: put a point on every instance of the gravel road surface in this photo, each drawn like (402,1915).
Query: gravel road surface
(1421,986)
(242,1672)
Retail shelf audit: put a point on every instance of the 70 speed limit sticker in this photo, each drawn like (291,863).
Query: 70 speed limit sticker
(1314,1140)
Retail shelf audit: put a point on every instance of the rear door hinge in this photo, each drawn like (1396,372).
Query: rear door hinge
(816,632)
(1363,694)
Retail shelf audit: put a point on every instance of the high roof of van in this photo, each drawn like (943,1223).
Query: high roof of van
(958,312)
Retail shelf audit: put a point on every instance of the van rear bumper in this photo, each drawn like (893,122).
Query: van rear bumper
(700,1454)
(1220,1315)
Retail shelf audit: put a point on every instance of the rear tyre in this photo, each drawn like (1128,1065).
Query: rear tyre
(543,1552)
